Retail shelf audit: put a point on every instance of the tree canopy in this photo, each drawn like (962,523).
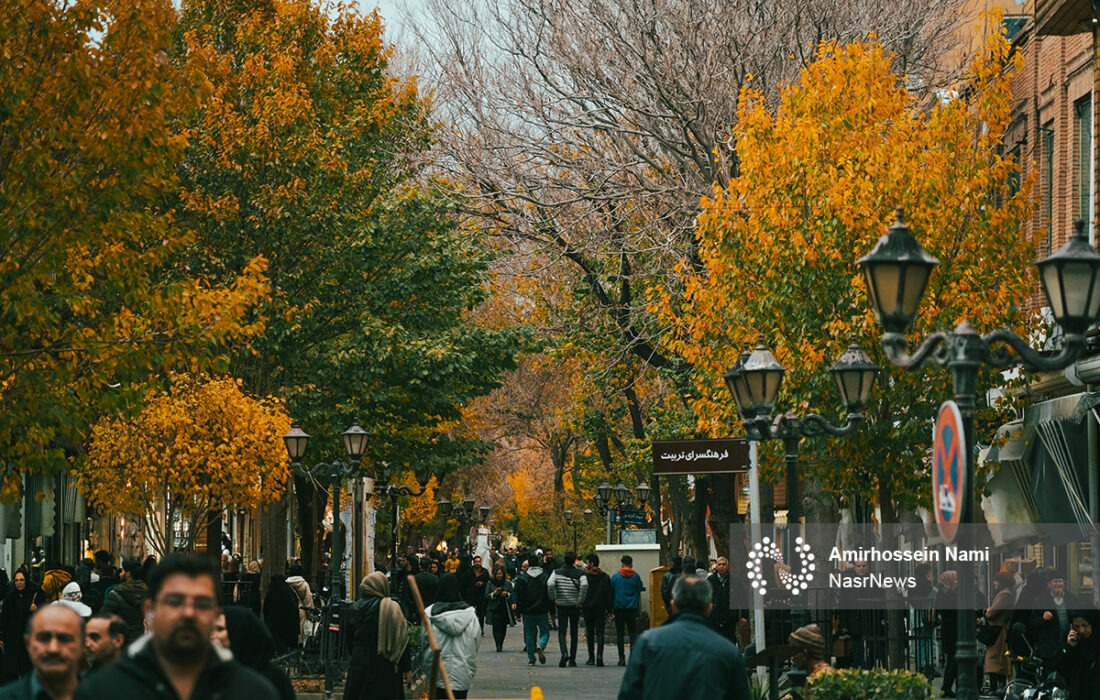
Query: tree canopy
(820,174)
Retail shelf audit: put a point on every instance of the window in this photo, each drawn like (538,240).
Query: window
(1012,26)
(1082,118)
(1047,175)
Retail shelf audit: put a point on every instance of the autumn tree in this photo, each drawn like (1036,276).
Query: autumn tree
(587,131)
(198,446)
(820,175)
(88,99)
(311,153)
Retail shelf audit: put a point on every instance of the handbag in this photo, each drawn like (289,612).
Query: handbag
(988,634)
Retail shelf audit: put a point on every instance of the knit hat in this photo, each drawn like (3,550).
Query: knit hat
(810,639)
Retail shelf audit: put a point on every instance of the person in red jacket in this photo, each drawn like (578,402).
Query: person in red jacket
(626,587)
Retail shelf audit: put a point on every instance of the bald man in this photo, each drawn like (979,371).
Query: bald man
(55,643)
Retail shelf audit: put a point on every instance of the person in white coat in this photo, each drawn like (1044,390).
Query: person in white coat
(458,634)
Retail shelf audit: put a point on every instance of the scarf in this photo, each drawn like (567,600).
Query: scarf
(393,630)
(626,572)
(948,579)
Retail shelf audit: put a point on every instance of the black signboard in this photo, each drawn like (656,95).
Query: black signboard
(628,515)
(720,456)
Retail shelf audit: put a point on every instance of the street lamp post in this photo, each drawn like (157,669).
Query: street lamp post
(897,271)
(603,495)
(463,512)
(355,444)
(395,491)
(572,522)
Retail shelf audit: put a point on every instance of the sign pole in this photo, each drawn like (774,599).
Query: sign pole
(754,522)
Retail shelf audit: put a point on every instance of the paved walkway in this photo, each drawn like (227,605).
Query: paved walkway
(507,675)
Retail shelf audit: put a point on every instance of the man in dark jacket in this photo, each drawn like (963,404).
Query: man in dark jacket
(1050,621)
(723,619)
(532,603)
(668,579)
(685,659)
(597,606)
(178,660)
(127,600)
(55,642)
(474,584)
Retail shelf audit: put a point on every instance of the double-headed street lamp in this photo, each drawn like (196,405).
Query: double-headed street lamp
(621,493)
(897,271)
(571,521)
(754,382)
(463,512)
(395,491)
(355,444)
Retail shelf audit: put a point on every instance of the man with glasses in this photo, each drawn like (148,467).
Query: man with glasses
(177,659)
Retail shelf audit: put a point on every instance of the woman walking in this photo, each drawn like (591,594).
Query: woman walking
(948,617)
(997,663)
(379,636)
(458,634)
(499,593)
(20,602)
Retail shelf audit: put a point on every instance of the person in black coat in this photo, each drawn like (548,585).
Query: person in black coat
(597,606)
(947,615)
(427,581)
(281,613)
(252,645)
(499,606)
(249,587)
(379,637)
(19,604)
(1049,620)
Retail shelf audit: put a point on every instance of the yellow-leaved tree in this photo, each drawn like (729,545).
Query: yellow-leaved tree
(194,448)
(820,174)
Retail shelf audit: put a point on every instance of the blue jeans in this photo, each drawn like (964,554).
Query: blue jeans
(532,625)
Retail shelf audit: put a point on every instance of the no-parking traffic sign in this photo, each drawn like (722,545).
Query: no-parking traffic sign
(949,470)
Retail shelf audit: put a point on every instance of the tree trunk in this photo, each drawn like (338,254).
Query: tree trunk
(722,497)
(214,535)
(311,510)
(699,544)
(273,536)
(681,512)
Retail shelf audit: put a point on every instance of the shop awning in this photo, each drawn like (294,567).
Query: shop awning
(1059,474)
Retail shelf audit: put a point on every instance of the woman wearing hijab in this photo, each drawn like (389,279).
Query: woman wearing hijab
(19,603)
(458,634)
(947,614)
(997,663)
(249,587)
(499,595)
(253,646)
(379,635)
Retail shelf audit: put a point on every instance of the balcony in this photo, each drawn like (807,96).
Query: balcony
(1063,17)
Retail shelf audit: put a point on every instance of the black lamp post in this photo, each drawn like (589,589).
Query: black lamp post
(602,499)
(355,444)
(897,271)
(395,491)
(464,513)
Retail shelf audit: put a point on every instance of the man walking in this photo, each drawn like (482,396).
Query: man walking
(533,603)
(723,619)
(474,587)
(178,660)
(567,587)
(55,641)
(626,588)
(597,606)
(684,659)
(127,600)
(104,637)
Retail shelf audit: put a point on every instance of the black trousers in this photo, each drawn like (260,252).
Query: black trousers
(625,618)
(568,618)
(499,630)
(594,632)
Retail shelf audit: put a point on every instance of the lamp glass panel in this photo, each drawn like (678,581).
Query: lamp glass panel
(1052,283)
(915,278)
(883,279)
(847,382)
(773,380)
(754,382)
(867,385)
(743,398)
(1077,277)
